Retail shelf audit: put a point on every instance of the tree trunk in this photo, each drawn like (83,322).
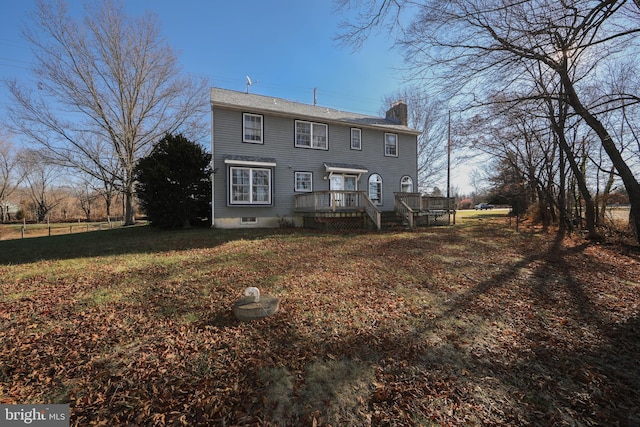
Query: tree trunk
(589,205)
(630,183)
(604,199)
(129,214)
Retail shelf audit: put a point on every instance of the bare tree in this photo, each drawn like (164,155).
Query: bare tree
(106,88)
(41,179)
(10,177)
(481,47)
(85,194)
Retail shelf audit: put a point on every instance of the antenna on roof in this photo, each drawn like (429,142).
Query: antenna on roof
(249,83)
(315,96)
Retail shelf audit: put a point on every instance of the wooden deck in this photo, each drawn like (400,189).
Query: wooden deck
(427,210)
(337,204)
(414,208)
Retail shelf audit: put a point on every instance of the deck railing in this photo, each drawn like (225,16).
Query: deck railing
(338,201)
(330,201)
(373,212)
(411,200)
(405,211)
(418,202)
(437,203)
(414,205)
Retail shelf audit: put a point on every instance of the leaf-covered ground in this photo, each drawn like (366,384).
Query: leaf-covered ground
(466,325)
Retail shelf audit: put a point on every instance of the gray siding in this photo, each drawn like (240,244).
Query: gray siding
(279,133)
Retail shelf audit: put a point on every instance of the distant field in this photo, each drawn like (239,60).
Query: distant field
(616,215)
(474,214)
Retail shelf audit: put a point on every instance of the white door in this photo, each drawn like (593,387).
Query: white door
(342,183)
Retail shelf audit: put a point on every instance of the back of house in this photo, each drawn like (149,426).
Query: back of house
(277,162)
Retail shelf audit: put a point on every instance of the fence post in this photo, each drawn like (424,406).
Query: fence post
(22,230)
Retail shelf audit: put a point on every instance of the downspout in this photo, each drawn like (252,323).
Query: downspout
(213,174)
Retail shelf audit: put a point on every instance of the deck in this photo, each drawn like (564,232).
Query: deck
(337,204)
(414,208)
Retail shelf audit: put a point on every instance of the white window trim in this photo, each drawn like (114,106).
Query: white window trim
(250,202)
(249,163)
(379,182)
(406,177)
(385,145)
(311,146)
(359,147)
(244,133)
(295,182)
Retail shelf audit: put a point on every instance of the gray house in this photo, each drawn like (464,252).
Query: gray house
(278,162)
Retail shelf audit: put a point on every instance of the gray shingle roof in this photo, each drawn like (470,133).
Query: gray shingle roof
(266,104)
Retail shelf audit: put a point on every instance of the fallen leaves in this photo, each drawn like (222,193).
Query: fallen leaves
(446,326)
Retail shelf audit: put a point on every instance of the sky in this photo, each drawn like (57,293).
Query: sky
(286,47)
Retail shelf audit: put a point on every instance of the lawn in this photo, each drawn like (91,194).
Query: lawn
(470,325)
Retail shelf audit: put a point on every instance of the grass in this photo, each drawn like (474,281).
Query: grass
(473,324)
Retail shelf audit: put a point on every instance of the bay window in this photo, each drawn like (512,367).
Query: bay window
(249,186)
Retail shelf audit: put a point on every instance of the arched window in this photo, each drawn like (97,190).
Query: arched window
(375,188)
(406,184)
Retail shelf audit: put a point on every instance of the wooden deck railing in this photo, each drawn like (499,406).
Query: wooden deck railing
(437,203)
(329,201)
(338,201)
(405,211)
(373,212)
(418,202)
(413,205)
(411,200)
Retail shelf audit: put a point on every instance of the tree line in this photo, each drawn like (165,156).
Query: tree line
(33,190)
(548,90)
(103,89)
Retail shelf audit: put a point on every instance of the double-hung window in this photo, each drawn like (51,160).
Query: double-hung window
(252,128)
(303,182)
(311,135)
(356,139)
(391,145)
(250,186)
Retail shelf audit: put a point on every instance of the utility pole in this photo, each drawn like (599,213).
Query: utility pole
(449,172)
(449,156)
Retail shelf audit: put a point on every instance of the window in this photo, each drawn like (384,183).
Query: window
(250,186)
(311,135)
(391,145)
(252,128)
(375,188)
(303,182)
(356,139)
(406,184)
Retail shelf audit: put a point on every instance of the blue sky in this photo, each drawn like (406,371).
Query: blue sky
(287,47)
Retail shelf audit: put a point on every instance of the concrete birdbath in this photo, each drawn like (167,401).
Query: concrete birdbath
(254,306)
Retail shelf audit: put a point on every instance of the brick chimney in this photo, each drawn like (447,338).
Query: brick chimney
(398,113)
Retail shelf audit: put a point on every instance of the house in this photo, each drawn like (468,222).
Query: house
(278,162)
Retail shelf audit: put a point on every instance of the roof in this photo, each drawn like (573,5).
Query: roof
(232,99)
(344,168)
